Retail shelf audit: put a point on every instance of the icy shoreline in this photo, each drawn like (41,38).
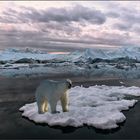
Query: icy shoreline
(85,70)
(97,106)
(123,63)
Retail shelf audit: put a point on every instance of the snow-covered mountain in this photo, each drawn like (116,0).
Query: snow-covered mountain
(16,54)
(122,63)
(130,52)
(25,50)
(124,52)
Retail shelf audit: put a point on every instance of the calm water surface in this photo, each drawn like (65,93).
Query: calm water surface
(15,92)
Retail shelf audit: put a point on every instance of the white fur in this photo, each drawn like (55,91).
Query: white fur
(50,92)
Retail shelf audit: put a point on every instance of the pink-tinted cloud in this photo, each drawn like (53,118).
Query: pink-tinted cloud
(69,24)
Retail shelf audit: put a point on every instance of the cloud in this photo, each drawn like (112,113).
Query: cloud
(112,14)
(127,17)
(77,13)
(40,40)
(70,28)
(136,29)
(122,26)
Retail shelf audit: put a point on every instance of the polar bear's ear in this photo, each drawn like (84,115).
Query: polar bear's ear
(69,82)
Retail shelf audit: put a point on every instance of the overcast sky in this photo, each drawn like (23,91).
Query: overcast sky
(69,25)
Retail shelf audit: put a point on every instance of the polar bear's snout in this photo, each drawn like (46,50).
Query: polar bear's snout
(50,92)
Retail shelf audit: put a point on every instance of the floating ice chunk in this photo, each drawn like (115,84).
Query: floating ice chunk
(122,82)
(97,106)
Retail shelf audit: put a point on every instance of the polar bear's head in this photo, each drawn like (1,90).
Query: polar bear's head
(69,83)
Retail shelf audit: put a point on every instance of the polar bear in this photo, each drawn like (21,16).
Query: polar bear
(50,92)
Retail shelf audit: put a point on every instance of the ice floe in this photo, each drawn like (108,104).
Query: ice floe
(97,106)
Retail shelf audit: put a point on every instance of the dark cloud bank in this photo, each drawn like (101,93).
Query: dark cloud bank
(56,29)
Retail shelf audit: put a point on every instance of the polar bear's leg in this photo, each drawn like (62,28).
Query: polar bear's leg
(41,105)
(53,106)
(64,102)
(46,106)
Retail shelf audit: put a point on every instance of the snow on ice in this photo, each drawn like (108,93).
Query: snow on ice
(97,106)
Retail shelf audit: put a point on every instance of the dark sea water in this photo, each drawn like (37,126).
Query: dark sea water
(15,92)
